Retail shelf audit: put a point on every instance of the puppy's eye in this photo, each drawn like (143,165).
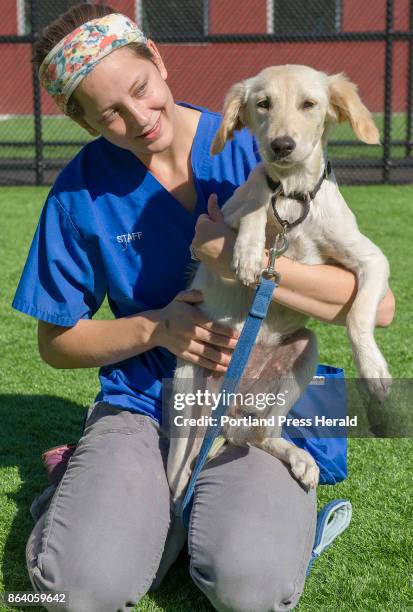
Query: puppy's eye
(309,104)
(265,103)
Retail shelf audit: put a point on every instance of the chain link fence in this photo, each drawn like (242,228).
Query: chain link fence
(208,45)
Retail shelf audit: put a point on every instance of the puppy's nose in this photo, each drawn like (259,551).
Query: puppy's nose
(283,146)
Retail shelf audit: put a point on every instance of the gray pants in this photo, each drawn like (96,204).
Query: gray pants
(104,537)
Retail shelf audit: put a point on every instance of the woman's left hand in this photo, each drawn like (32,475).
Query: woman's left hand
(213,242)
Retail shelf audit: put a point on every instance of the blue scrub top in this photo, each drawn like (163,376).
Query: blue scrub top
(109,227)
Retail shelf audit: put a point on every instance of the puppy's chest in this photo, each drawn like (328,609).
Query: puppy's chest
(302,239)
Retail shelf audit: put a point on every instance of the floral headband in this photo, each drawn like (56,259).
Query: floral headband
(77,53)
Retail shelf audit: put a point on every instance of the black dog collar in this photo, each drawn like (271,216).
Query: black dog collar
(304,198)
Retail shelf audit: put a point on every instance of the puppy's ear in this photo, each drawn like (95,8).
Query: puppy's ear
(345,104)
(233,116)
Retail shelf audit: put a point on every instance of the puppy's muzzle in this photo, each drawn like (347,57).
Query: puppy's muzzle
(283,146)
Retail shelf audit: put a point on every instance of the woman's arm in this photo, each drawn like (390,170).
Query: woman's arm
(93,343)
(179,327)
(323,292)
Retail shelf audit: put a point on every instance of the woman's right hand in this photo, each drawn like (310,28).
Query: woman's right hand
(188,333)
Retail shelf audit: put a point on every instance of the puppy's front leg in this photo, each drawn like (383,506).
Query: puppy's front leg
(246,211)
(249,246)
(372,278)
(357,253)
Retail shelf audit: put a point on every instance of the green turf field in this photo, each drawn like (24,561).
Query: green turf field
(21,129)
(367,570)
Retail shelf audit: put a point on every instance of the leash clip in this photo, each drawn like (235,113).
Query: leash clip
(280,246)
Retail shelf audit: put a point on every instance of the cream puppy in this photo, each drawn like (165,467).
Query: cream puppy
(289,110)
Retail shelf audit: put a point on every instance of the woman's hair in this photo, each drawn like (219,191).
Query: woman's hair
(52,34)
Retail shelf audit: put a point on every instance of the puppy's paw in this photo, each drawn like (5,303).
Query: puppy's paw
(379,386)
(303,467)
(376,378)
(247,262)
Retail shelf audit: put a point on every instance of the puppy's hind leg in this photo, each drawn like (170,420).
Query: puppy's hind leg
(184,440)
(299,356)
(301,462)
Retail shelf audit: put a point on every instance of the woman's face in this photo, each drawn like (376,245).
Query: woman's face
(125,99)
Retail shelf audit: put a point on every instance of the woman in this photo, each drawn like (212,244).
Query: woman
(119,222)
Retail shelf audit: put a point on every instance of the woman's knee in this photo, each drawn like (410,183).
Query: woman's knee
(251,584)
(251,533)
(102,537)
(96,575)
(92,592)
(90,582)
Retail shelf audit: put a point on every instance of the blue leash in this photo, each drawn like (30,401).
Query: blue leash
(234,372)
(335,517)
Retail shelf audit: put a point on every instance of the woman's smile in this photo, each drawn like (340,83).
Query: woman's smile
(152,133)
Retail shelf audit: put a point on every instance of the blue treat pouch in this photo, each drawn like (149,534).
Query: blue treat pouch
(332,520)
(324,400)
